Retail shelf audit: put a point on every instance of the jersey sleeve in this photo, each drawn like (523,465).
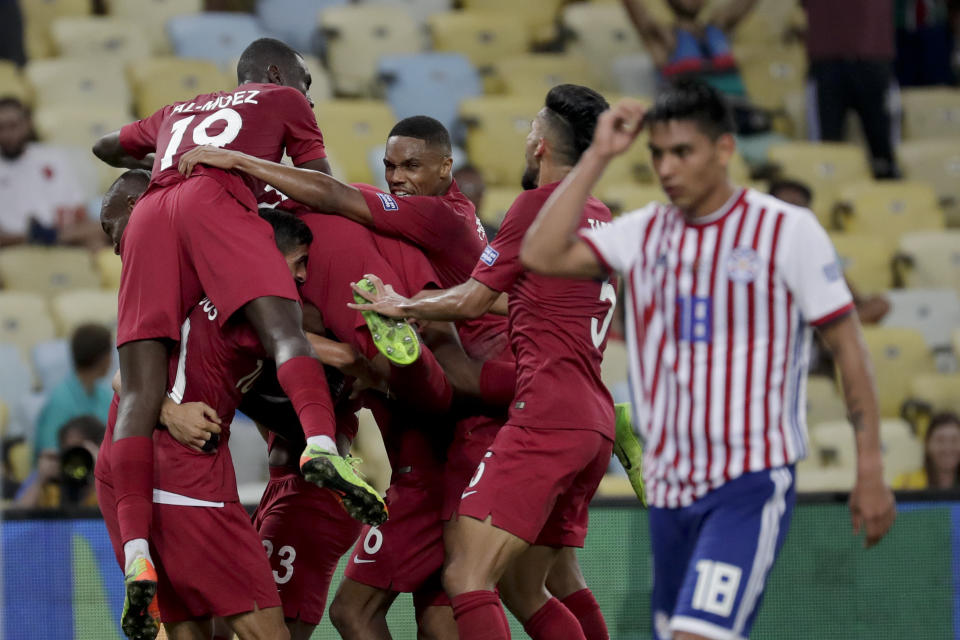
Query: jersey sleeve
(618,244)
(499,265)
(302,138)
(812,271)
(423,220)
(140,138)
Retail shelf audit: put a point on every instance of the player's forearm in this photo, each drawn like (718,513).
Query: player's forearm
(109,150)
(463,302)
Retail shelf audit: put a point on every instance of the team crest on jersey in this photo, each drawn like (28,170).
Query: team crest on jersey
(743,265)
(489,256)
(388,201)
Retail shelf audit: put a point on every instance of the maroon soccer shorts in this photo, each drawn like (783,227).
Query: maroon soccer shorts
(305,532)
(538,483)
(474,436)
(190,240)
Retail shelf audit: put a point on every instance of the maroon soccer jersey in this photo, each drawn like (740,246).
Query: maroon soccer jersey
(558,327)
(258,119)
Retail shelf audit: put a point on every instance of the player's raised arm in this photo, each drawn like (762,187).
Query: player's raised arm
(871,502)
(109,149)
(315,189)
(551,245)
(470,299)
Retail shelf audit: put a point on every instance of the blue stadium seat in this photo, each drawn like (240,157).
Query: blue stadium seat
(430,84)
(216,36)
(296,22)
(51,361)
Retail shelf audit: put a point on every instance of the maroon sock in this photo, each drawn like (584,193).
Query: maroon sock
(422,384)
(584,606)
(498,381)
(553,621)
(304,382)
(478,615)
(132,476)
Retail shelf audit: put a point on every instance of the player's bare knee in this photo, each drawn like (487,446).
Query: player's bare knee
(346,618)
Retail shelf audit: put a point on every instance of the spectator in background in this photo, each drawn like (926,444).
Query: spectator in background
(851,52)
(941,457)
(43,200)
(925,42)
(83,392)
(49,486)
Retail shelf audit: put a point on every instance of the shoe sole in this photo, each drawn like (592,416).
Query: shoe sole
(394,338)
(137,623)
(359,503)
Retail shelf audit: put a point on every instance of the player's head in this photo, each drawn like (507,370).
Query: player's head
(418,159)
(792,192)
(270,61)
(293,238)
(562,130)
(687,9)
(15,128)
(691,141)
(118,203)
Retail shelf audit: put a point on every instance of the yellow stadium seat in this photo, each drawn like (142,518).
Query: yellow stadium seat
(496,202)
(902,450)
(321,87)
(824,403)
(932,393)
(936,162)
(482,36)
(73,308)
(833,442)
(46,270)
(358,35)
(80,128)
(21,458)
(152,16)
(623,198)
(497,129)
(897,355)
(24,319)
(100,36)
(540,17)
(160,81)
(107,264)
(79,82)
(37,18)
(867,260)
(351,128)
(889,207)
(771,73)
(824,167)
(535,74)
(765,23)
(600,34)
(930,112)
(12,84)
(934,259)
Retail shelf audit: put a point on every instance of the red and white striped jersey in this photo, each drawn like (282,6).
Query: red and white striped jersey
(719,314)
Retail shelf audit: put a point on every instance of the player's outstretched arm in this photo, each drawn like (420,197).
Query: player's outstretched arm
(552,246)
(319,191)
(872,505)
(465,301)
(109,149)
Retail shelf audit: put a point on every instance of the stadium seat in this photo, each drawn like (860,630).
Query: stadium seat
(24,321)
(833,442)
(600,33)
(824,403)
(932,312)
(825,479)
(350,129)
(79,82)
(930,113)
(939,390)
(897,355)
(496,202)
(46,270)
(79,128)
(219,37)
(933,259)
(539,17)
(51,361)
(295,21)
(97,36)
(936,162)
(867,260)
(12,83)
(321,87)
(160,81)
(536,73)
(419,10)
(497,129)
(357,36)
(902,450)
(635,75)
(623,198)
(21,460)
(824,166)
(107,264)
(37,18)
(482,36)
(888,207)
(73,308)
(771,73)
(430,84)
(152,16)
(765,23)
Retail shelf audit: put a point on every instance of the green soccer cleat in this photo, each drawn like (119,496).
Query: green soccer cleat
(141,615)
(629,450)
(336,473)
(394,338)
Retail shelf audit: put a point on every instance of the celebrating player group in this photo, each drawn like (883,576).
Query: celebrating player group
(297,299)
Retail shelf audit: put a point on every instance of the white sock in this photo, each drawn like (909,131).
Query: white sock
(133,549)
(324,442)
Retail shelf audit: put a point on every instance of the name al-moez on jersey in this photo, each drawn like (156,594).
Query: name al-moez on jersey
(239,97)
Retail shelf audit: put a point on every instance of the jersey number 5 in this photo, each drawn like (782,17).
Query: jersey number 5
(598,330)
(200,135)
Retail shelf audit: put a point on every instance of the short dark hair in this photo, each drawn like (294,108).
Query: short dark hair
(691,99)
(788,183)
(262,53)
(89,427)
(89,344)
(939,420)
(425,128)
(574,110)
(289,231)
(10,101)
(132,179)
